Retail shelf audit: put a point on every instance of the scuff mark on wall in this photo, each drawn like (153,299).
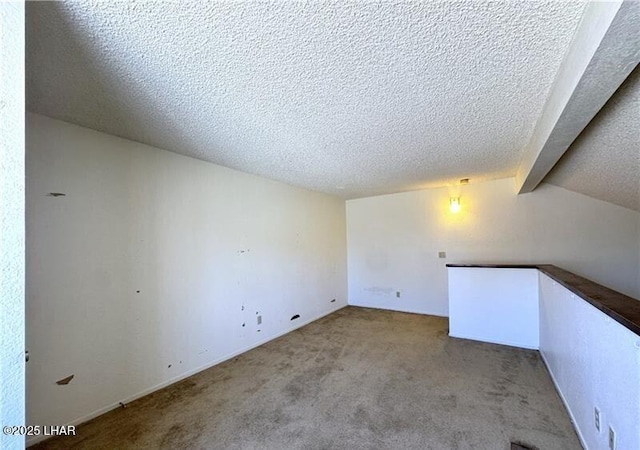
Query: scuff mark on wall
(65,381)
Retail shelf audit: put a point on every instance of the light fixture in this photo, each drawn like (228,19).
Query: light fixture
(454,204)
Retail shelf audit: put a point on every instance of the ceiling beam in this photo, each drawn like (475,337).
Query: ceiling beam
(604,51)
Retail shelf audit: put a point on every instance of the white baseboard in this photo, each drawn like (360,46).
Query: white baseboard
(495,341)
(35,439)
(564,401)
(404,310)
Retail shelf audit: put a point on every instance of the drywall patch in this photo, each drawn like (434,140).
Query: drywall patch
(378,290)
(65,381)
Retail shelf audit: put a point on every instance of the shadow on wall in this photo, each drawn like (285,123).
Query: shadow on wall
(604,160)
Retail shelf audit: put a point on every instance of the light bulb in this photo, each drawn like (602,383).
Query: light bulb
(454,204)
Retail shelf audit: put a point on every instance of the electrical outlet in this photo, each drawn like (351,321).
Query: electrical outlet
(612,439)
(596,418)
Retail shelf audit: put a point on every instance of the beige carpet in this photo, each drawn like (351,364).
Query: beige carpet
(357,379)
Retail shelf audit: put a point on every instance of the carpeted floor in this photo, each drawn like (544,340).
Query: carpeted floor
(357,379)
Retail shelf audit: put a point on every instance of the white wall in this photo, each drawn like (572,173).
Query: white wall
(12,240)
(595,362)
(393,240)
(148,267)
(494,305)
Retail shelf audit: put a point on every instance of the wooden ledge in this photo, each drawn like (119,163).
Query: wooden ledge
(621,308)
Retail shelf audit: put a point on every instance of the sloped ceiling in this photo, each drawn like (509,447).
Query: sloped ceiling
(604,162)
(349,98)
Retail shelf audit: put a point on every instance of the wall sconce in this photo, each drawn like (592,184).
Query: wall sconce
(454,204)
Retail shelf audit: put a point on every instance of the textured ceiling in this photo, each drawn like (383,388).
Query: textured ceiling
(350,98)
(604,162)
